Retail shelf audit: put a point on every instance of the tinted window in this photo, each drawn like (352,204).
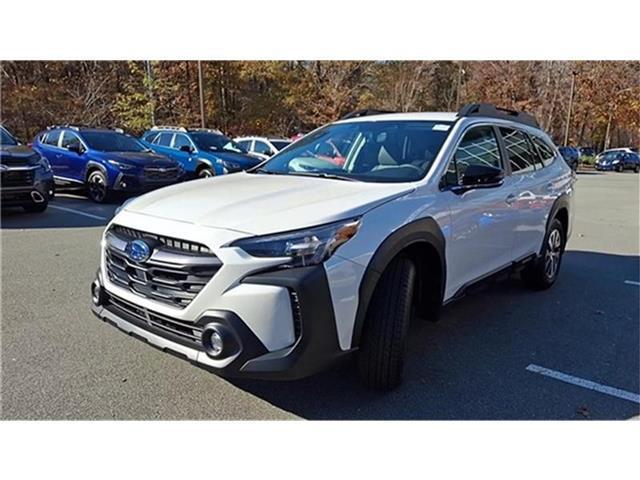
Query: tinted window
(246,144)
(544,150)
(164,139)
(68,138)
(519,150)
(261,147)
(381,151)
(478,147)
(109,141)
(216,142)
(181,141)
(150,137)
(280,144)
(52,138)
(6,139)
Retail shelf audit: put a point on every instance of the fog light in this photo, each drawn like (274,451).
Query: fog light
(216,343)
(96,292)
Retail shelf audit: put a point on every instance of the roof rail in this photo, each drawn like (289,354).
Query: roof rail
(210,130)
(365,113)
(489,110)
(168,127)
(78,126)
(64,125)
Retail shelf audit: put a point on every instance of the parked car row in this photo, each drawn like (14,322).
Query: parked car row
(103,161)
(617,159)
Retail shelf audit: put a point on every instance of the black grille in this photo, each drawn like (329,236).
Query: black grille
(173,243)
(187,332)
(296,312)
(17,178)
(169,276)
(156,173)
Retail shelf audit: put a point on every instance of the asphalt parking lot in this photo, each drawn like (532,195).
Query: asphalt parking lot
(481,361)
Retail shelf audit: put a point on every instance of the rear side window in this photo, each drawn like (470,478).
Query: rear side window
(522,158)
(245,143)
(150,137)
(544,150)
(479,146)
(164,139)
(52,138)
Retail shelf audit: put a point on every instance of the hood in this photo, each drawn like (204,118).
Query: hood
(17,155)
(261,204)
(246,159)
(139,159)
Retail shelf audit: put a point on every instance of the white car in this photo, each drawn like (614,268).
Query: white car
(263,147)
(281,271)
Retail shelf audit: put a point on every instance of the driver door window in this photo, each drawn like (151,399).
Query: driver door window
(479,146)
(181,141)
(68,138)
(261,147)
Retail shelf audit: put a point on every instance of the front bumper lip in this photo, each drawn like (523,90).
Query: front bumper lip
(315,348)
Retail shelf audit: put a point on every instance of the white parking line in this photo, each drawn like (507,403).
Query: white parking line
(581,382)
(631,282)
(77,212)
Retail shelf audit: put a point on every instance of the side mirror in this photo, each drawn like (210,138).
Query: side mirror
(76,147)
(186,148)
(482,176)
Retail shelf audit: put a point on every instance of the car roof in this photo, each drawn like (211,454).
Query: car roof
(408,116)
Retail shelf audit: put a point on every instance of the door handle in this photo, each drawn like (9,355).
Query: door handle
(511,198)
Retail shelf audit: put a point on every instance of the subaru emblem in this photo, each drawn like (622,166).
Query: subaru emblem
(138,250)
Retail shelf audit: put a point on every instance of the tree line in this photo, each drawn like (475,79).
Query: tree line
(590,103)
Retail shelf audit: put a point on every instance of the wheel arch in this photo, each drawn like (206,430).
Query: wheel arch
(422,241)
(559,210)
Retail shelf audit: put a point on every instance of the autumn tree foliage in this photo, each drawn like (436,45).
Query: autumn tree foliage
(284,97)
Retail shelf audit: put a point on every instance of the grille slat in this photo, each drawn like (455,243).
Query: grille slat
(176,282)
(17,178)
(156,173)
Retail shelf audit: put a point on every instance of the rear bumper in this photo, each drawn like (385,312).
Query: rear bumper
(315,346)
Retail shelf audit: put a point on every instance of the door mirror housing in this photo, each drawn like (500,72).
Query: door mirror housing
(482,176)
(76,147)
(186,148)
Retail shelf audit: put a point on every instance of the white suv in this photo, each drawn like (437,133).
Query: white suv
(281,271)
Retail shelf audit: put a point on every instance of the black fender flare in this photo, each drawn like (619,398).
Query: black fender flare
(91,164)
(424,230)
(206,163)
(561,202)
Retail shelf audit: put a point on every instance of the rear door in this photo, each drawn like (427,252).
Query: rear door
(49,148)
(162,144)
(533,187)
(482,219)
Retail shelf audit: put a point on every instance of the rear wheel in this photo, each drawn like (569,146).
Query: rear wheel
(636,168)
(383,342)
(619,168)
(97,189)
(543,272)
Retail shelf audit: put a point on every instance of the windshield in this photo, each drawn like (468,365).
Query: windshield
(6,139)
(112,142)
(280,144)
(216,143)
(385,151)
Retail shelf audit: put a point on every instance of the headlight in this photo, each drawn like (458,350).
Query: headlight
(44,163)
(120,165)
(231,165)
(303,247)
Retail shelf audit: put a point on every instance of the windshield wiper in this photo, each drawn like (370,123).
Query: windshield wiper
(330,176)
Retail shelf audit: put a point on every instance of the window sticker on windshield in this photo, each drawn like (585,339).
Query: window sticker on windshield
(441,128)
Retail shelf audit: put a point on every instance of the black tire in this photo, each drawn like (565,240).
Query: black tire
(383,341)
(543,272)
(206,172)
(36,207)
(619,169)
(636,169)
(97,188)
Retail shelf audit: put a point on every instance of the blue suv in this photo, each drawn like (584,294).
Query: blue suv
(202,152)
(104,161)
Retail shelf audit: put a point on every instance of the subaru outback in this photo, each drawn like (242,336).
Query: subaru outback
(283,270)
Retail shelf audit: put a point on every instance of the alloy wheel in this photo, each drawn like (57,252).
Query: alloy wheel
(97,188)
(552,254)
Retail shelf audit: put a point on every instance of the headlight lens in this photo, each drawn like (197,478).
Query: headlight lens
(303,247)
(44,163)
(120,165)
(230,165)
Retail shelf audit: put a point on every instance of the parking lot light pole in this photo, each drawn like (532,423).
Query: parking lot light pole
(201,94)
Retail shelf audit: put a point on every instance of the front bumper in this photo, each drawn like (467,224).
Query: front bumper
(41,184)
(606,168)
(315,346)
(140,184)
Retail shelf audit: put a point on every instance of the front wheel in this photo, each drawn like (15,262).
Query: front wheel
(636,169)
(206,173)
(97,189)
(543,272)
(382,346)
(619,168)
